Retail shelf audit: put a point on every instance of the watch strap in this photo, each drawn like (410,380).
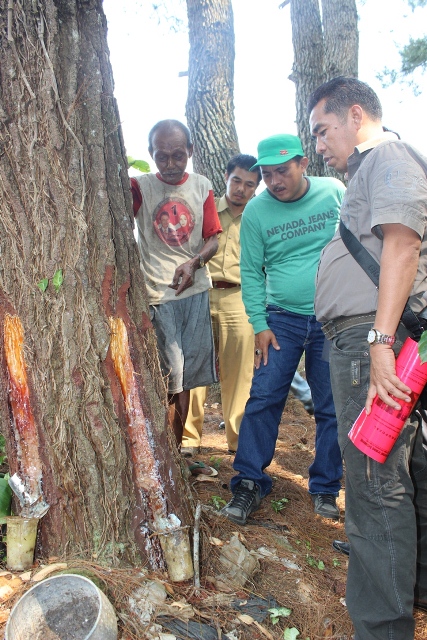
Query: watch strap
(201,261)
(382,338)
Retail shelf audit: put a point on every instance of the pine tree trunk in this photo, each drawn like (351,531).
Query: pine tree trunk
(65,205)
(339,18)
(307,70)
(325,46)
(210,105)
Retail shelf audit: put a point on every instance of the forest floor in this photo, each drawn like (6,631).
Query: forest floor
(314,591)
(299,573)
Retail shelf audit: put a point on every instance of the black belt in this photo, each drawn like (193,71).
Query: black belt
(222,284)
(333,327)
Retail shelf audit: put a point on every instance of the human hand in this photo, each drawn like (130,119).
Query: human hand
(262,341)
(184,276)
(383,379)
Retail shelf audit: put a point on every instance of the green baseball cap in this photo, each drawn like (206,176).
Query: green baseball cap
(278,149)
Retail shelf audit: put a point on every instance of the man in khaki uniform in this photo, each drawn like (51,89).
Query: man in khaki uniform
(234,336)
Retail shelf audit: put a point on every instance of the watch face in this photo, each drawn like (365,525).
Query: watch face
(371,336)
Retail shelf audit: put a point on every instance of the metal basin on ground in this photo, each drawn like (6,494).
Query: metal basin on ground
(64,607)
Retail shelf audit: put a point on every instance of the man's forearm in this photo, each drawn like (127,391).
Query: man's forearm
(210,248)
(398,268)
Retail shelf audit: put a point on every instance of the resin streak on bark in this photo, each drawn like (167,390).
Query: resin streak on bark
(26,435)
(146,474)
(173,539)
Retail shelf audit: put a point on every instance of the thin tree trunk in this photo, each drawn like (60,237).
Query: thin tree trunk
(307,70)
(339,19)
(65,205)
(325,46)
(210,105)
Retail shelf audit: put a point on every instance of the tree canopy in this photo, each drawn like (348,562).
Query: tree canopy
(413,57)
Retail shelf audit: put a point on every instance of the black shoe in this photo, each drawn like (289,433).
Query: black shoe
(325,505)
(246,500)
(342,547)
(221,425)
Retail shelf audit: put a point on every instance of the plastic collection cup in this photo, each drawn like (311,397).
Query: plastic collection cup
(21,541)
(177,551)
(376,433)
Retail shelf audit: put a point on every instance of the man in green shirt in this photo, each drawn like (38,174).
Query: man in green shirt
(283,232)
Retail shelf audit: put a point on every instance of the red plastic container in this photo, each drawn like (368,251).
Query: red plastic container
(376,433)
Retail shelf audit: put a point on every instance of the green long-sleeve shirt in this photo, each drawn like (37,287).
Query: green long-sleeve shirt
(285,239)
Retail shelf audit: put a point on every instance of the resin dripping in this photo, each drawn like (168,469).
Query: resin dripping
(27,484)
(173,538)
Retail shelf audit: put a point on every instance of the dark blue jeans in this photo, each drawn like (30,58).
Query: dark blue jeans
(295,334)
(385,505)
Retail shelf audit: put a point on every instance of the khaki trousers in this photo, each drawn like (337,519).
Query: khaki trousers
(234,343)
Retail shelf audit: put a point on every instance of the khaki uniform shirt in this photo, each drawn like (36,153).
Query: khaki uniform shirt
(386,185)
(225,264)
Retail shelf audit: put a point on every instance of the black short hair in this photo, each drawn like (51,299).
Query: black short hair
(341,93)
(169,125)
(296,159)
(243,161)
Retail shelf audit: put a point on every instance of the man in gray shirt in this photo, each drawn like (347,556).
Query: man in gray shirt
(385,207)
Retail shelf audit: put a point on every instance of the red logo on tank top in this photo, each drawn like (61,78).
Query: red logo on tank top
(173,221)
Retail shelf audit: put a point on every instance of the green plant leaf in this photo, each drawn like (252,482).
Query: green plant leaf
(3,455)
(422,347)
(57,280)
(277,613)
(141,165)
(278,505)
(5,496)
(310,560)
(42,285)
(215,462)
(291,634)
(218,502)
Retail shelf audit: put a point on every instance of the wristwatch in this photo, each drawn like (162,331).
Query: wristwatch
(376,337)
(201,261)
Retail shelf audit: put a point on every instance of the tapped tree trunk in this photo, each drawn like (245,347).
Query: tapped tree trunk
(93,418)
(210,103)
(325,45)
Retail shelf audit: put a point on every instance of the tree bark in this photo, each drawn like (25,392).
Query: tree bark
(65,205)
(210,103)
(325,46)
(339,19)
(307,70)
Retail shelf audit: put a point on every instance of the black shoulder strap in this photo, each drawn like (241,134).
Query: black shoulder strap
(362,256)
(371,267)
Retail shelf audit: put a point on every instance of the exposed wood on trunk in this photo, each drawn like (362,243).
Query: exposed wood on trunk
(145,466)
(28,485)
